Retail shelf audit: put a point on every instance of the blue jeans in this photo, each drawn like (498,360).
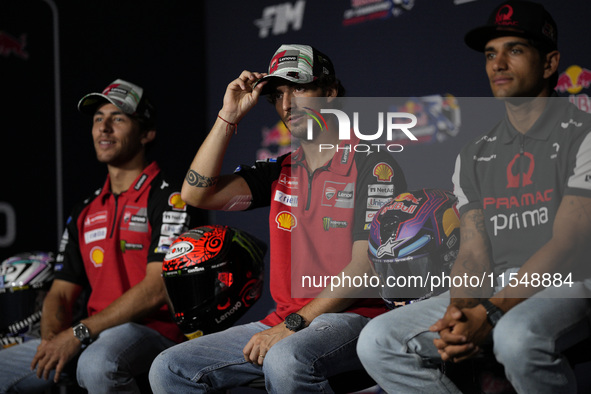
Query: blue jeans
(397,348)
(109,364)
(299,363)
(15,370)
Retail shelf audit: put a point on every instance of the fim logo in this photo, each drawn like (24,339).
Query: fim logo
(279,17)
(328,223)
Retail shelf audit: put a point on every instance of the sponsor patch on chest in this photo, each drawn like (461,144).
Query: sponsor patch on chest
(338,194)
(286,199)
(95,235)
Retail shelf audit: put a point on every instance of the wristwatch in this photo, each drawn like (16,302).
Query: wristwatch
(81,333)
(295,322)
(493,312)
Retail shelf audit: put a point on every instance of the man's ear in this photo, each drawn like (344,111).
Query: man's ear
(331,93)
(148,137)
(551,64)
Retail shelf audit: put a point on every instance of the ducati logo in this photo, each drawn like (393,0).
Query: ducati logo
(329,192)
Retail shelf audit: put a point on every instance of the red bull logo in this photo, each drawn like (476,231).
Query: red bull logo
(408,197)
(573,80)
(10,45)
(276,141)
(398,206)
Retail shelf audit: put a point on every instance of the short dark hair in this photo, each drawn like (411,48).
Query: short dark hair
(144,123)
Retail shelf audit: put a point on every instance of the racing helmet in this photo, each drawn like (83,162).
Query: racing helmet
(413,238)
(24,281)
(213,275)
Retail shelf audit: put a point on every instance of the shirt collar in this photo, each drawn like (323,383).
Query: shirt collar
(138,185)
(340,163)
(543,126)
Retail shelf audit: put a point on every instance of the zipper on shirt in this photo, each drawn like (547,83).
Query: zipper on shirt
(115,196)
(311,181)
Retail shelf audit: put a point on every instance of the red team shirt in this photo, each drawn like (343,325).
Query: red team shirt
(109,240)
(315,218)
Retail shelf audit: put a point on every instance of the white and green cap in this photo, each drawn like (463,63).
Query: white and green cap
(298,64)
(126,96)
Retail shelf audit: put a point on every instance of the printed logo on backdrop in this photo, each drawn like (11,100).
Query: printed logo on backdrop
(279,18)
(438,119)
(369,10)
(276,141)
(13,46)
(575,83)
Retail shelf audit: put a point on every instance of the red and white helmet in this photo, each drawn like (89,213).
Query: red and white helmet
(213,275)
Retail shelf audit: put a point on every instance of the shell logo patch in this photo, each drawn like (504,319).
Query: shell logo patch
(97,256)
(176,202)
(286,221)
(383,172)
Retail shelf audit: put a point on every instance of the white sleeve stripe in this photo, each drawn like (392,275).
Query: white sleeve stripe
(459,193)
(581,177)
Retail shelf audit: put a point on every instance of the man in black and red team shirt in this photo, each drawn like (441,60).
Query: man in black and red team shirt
(113,246)
(524,196)
(319,219)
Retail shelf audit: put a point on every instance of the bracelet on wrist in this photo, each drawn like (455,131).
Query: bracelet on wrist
(230,126)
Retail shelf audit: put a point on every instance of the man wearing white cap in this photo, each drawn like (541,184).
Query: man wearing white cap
(112,252)
(318,202)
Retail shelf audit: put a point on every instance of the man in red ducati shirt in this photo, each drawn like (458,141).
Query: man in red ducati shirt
(113,245)
(319,203)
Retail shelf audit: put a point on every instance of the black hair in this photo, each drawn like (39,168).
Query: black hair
(144,123)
